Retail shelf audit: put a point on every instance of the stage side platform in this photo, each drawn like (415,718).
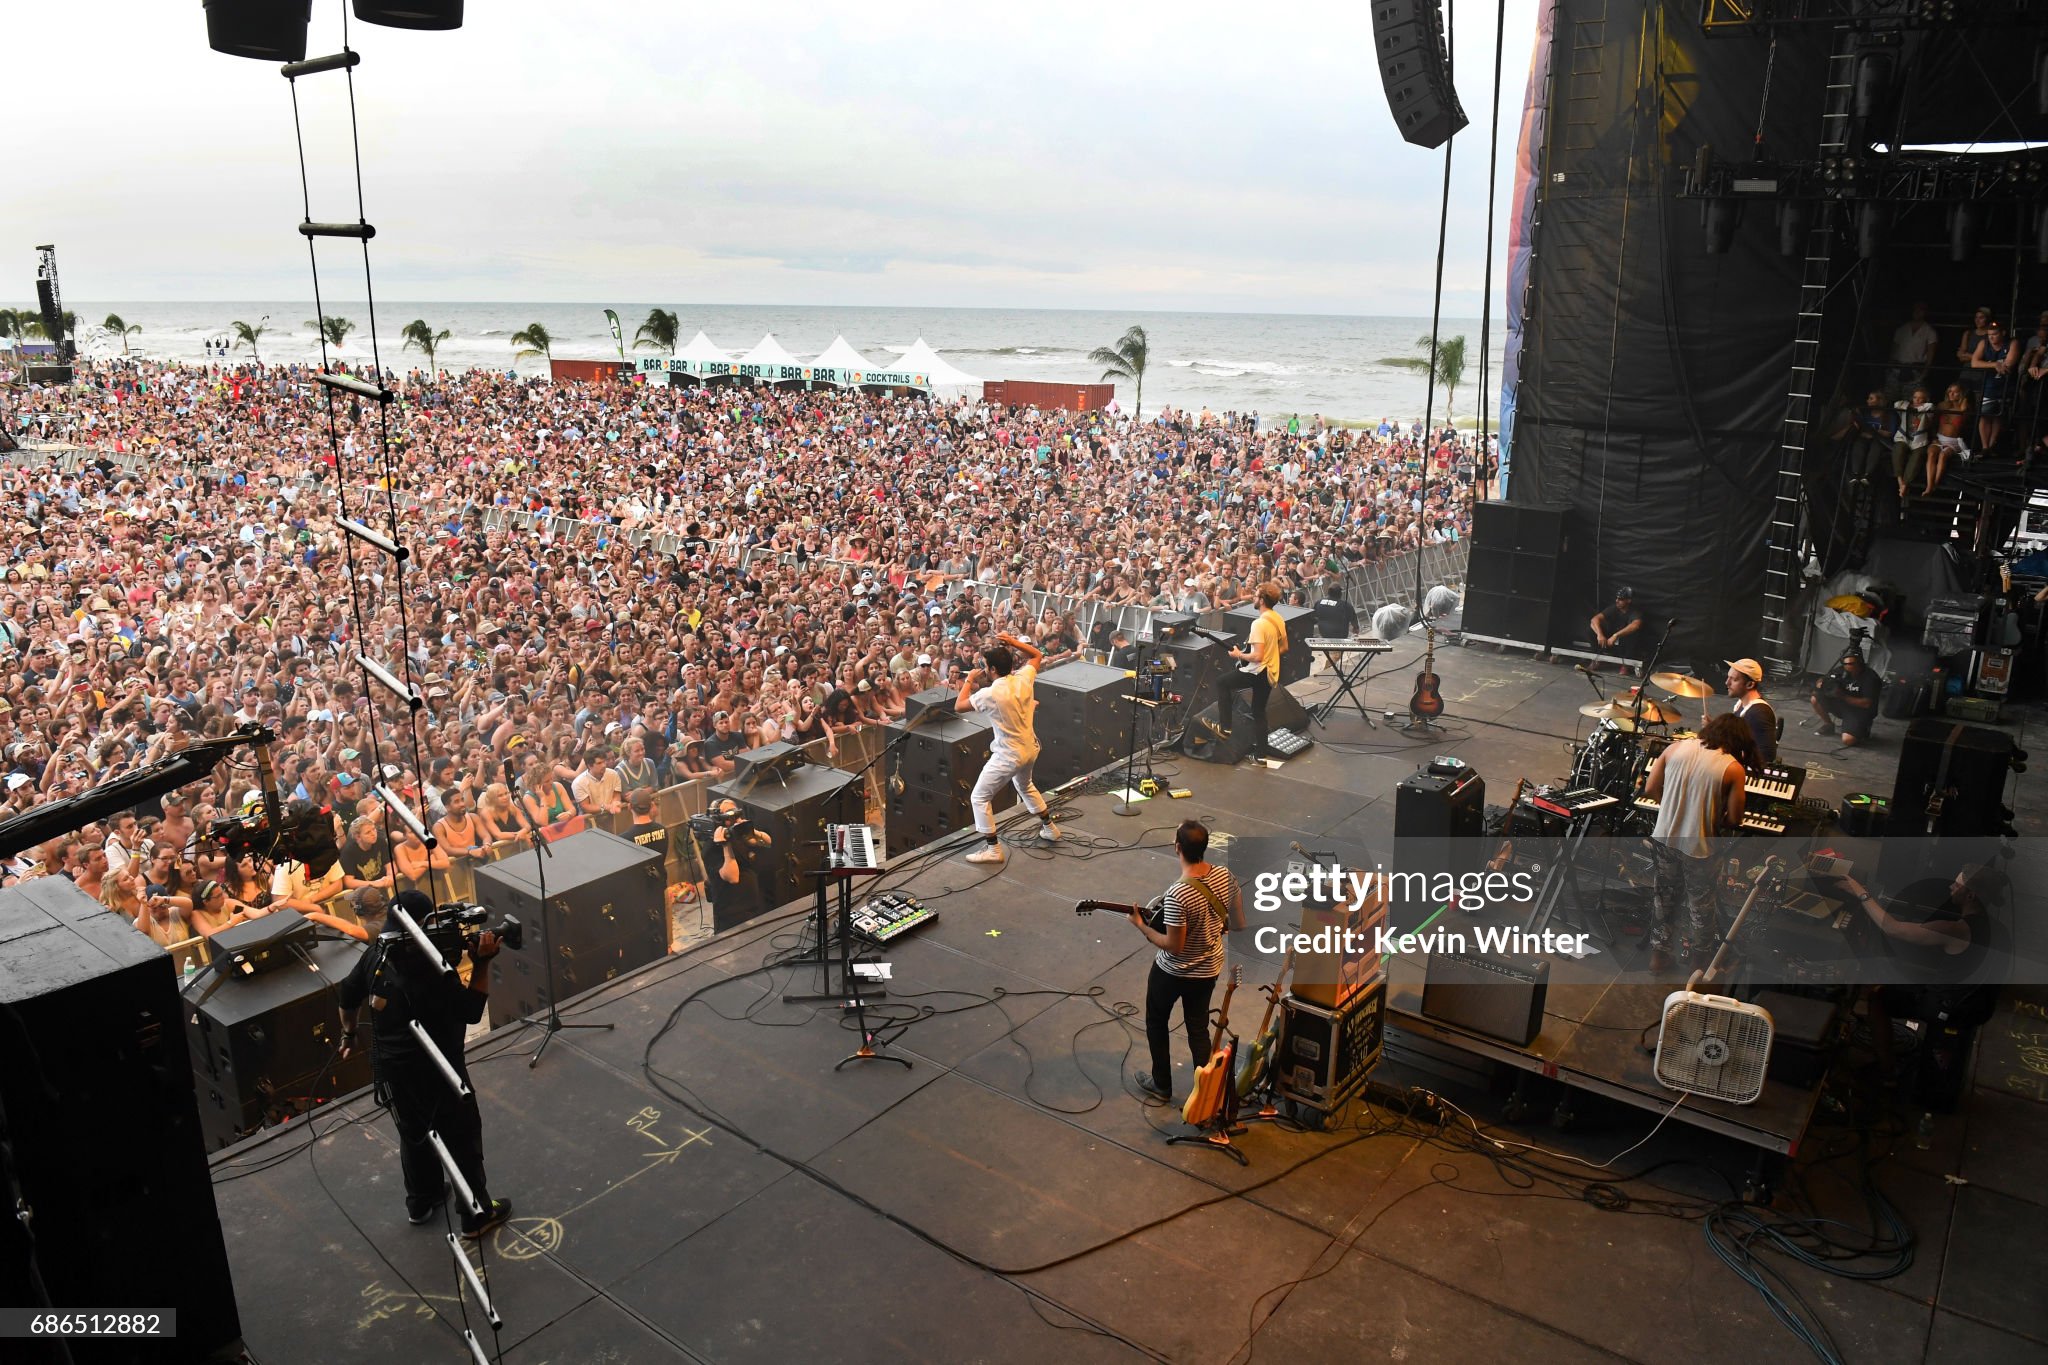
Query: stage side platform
(699,1184)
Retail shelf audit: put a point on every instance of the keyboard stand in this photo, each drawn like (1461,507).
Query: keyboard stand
(1360,673)
(1565,869)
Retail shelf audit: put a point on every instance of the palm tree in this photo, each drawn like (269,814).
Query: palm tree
(1125,360)
(533,339)
(13,326)
(658,331)
(1450,369)
(246,335)
(334,330)
(418,334)
(120,329)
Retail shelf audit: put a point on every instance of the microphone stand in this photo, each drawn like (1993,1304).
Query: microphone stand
(552,1023)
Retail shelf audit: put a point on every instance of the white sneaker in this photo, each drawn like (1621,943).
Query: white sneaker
(987,853)
(1049,832)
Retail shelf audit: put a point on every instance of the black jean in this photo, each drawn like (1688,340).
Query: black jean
(422,1102)
(1162,990)
(1227,688)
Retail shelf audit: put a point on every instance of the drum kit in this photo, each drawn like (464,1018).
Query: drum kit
(1633,729)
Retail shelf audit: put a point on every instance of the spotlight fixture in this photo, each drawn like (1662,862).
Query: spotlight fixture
(421,14)
(267,30)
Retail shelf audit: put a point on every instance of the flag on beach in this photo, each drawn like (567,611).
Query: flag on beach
(617,336)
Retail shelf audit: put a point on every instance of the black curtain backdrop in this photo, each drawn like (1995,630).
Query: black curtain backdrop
(1655,380)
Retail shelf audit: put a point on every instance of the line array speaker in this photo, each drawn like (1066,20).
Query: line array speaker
(1415,68)
(1515,577)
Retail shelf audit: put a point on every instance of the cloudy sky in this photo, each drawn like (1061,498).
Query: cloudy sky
(1158,155)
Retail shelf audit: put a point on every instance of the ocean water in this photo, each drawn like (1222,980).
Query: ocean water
(1273,364)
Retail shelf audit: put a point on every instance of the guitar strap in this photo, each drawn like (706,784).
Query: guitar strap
(1215,902)
(1279,633)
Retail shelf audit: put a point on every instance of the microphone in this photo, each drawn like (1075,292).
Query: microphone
(896,780)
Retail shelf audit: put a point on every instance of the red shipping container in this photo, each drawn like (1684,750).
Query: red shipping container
(1030,393)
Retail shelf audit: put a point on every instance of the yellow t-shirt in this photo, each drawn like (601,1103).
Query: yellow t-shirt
(1269,642)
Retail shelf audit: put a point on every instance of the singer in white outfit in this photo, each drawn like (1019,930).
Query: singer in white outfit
(1002,691)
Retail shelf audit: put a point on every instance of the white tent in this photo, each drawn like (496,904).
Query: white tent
(702,349)
(939,373)
(769,363)
(843,358)
(701,359)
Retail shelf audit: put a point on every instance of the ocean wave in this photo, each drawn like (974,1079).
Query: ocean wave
(490,332)
(1245,366)
(1220,372)
(1180,364)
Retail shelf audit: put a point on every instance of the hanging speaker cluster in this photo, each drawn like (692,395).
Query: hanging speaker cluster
(1415,68)
(275,30)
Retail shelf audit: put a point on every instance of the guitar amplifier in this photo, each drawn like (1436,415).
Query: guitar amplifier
(1500,997)
(1326,1054)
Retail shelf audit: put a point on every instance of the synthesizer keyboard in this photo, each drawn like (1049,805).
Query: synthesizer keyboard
(1751,821)
(1328,645)
(1571,804)
(1775,782)
(891,915)
(853,850)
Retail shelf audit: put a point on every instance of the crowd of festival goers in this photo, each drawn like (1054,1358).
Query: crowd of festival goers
(812,560)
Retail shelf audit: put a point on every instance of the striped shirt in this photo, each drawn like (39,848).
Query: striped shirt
(1202,954)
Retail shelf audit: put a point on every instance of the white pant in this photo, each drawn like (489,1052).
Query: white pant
(1004,768)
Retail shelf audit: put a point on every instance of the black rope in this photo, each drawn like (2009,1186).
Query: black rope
(1500,33)
(1436,318)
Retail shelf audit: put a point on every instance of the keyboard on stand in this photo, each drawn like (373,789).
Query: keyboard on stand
(1328,645)
(1570,804)
(1775,782)
(1751,821)
(853,851)
(891,915)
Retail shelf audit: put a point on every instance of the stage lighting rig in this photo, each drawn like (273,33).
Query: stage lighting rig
(1720,17)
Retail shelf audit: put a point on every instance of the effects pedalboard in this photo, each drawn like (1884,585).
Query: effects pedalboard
(890,915)
(1285,742)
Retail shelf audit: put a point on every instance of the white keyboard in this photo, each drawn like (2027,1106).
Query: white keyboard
(852,848)
(1754,823)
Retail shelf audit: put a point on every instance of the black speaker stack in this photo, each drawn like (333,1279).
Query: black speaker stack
(1950,788)
(1082,720)
(1415,68)
(103,1141)
(1283,712)
(1515,586)
(1197,662)
(936,764)
(1300,623)
(792,808)
(264,1029)
(605,914)
(1440,819)
(941,698)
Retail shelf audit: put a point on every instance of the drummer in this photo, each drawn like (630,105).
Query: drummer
(1745,685)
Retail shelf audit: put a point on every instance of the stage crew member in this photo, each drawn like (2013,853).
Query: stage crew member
(1002,691)
(1200,907)
(1615,628)
(1258,670)
(1698,784)
(402,985)
(1846,699)
(1745,685)
(734,859)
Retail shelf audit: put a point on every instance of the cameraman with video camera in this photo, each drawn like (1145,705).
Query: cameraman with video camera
(401,985)
(733,849)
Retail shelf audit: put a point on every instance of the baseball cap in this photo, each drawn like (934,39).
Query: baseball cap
(1748,668)
(1624,594)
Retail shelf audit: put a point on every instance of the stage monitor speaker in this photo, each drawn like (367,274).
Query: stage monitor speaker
(763,763)
(1500,997)
(1515,577)
(794,816)
(1966,765)
(1415,69)
(605,914)
(1439,822)
(266,1045)
(1172,625)
(103,1139)
(1198,741)
(1197,660)
(942,699)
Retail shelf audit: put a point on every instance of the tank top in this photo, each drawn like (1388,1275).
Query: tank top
(1690,807)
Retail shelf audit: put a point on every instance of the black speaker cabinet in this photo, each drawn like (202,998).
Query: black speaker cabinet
(942,699)
(1968,764)
(604,915)
(266,1045)
(793,814)
(1415,68)
(1081,720)
(1500,997)
(938,766)
(1197,660)
(1283,712)
(1515,577)
(103,1137)
(1439,822)
(1300,623)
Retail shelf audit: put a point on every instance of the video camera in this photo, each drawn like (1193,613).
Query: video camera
(711,822)
(455,927)
(303,835)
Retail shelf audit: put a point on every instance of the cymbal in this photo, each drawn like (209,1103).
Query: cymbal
(1630,710)
(1681,684)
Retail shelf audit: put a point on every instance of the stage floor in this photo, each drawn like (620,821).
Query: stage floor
(1009,1198)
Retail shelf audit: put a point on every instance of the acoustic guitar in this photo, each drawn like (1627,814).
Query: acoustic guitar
(1213,1078)
(1252,1069)
(1428,701)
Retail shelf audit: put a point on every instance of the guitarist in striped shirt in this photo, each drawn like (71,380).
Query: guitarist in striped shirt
(1200,907)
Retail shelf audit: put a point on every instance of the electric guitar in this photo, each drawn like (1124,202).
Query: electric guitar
(1153,911)
(1506,853)
(1213,1078)
(1428,701)
(1252,1069)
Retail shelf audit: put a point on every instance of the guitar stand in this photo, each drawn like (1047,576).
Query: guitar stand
(1216,1134)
